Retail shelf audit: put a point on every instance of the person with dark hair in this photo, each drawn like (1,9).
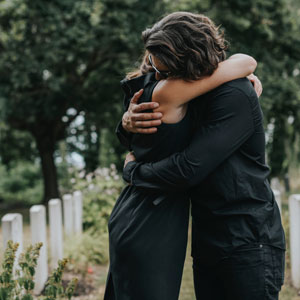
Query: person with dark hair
(238,243)
(148,227)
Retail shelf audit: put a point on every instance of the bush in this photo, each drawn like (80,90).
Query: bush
(20,286)
(21,184)
(86,250)
(100,191)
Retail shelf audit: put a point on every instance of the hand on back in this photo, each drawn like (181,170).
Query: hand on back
(256,84)
(136,120)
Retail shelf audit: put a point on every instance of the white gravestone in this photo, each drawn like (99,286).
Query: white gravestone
(39,234)
(294,209)
(77,206)
(56,231)
(68,214)
(12,229)
(276,185)
(277,195)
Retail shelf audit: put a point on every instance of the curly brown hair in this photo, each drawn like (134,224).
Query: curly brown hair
(189,45)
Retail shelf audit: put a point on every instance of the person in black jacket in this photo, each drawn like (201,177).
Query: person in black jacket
(238,243)
(147,228)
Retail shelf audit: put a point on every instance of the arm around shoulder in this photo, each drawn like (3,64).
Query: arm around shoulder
(229,124)
(176,92)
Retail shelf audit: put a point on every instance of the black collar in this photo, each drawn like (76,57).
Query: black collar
(131,86)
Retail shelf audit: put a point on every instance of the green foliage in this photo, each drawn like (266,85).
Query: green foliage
(267,30)
(22,183)
(7,284)
(15,145)
(101,189)
(111,151)
(19,286)
(121,26)
(27,264)
(54,289)
(61,58)
(86,250)
(48,52)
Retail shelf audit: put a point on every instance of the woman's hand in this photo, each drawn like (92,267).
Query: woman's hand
(136,121)
(256,84)
(129,157)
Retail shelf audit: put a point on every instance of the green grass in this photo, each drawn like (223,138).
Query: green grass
(187,285)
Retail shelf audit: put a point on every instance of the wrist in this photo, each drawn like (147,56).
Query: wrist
(127,171)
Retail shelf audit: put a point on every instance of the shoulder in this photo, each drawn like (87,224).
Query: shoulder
(172,92)
(239,87)
(234,97)
(131,86)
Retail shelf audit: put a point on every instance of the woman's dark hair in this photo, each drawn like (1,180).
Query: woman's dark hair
(189,45)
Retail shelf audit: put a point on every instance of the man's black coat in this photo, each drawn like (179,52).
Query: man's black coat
(224,168)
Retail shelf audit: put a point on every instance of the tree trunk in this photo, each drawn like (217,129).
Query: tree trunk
(46,151)
(91,153)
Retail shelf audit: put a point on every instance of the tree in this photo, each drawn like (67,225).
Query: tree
(61,58)
(48,51)
(267,30)
(122,24)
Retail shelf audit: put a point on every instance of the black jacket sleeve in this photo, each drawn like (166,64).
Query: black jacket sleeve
(229,123)
(124,136)
(129,88)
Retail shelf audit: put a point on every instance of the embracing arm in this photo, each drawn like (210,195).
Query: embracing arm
(177,91)
(229,125)
(133,115)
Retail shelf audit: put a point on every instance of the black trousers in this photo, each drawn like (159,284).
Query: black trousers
(255,273)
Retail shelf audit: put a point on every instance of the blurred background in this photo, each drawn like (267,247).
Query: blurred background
(61,63)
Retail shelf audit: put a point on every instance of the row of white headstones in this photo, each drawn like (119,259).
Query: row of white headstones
(12,229)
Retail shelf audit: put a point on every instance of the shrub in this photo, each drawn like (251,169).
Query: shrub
(85,251)
(100,191)
(22,183)
(20,286)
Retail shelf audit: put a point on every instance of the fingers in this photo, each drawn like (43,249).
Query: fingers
(258,87)
(260,90)
(137,121)
(146,130)
(147,123)
(256,84)
(146,116)
(145,106)
(250,76)
(136,96)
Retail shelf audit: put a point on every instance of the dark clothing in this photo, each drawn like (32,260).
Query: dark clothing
(148,228)
(248,274)
(232,202)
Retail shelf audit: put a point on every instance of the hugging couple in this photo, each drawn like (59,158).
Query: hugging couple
(194,126)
